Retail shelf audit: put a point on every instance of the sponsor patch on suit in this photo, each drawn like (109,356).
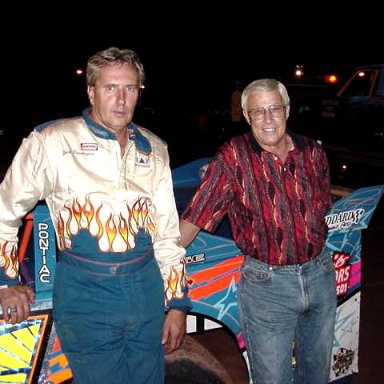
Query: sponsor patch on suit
(142,160)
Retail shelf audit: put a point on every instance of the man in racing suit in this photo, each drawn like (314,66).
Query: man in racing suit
(108,186)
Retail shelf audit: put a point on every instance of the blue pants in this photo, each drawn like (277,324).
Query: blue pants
(285,306)
(109,319)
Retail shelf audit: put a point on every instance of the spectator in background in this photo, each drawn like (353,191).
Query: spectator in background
(274,186)
(238,123)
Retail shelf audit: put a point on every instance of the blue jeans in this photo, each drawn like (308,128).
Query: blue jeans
(282,307)
(109,319)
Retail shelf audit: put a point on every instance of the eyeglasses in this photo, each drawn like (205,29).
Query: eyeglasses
(275,111)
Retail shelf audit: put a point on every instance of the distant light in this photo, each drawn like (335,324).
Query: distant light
(331,79)
(361,74)
(299,71)
(79,72)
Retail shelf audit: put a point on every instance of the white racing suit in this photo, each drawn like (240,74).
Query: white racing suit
(101,205)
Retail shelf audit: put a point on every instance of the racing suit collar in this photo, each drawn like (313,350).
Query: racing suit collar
(141,142)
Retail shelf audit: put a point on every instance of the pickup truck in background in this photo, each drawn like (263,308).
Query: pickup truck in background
(351,114)
(349,121)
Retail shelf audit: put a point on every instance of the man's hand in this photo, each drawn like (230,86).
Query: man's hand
(174,330)
(16,302)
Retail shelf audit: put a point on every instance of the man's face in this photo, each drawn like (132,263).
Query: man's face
(267,116)
(114,96)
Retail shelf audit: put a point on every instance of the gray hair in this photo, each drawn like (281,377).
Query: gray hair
(264,85)
(112,56)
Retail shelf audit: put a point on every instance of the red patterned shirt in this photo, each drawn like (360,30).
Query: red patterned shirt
(275,210)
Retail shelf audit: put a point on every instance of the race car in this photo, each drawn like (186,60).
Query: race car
(30,351)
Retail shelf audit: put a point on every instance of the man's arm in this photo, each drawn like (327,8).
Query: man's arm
(175,322)
(188,232)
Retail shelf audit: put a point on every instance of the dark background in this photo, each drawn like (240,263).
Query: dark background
(40,81)
(192,56)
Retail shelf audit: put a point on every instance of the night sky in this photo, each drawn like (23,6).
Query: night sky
(189,65)
(179,76)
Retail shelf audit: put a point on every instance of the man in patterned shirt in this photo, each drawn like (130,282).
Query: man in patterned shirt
(274,187)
